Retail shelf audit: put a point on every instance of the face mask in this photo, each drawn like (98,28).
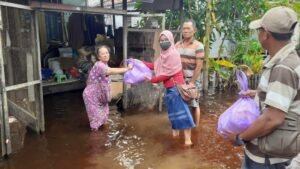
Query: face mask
(165,45)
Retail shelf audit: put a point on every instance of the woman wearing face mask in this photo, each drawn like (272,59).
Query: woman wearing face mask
(168,69)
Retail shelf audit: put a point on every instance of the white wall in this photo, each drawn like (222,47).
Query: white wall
(227,46)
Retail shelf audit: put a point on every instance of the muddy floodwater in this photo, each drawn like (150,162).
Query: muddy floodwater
(131,140)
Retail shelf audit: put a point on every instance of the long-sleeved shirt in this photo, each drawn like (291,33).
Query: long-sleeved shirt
(169,81)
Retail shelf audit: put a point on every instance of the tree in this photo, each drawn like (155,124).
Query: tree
(228,17)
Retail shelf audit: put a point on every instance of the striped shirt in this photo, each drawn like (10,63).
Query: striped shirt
(189,54)
(279,87)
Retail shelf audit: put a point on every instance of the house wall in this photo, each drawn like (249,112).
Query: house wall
(215,46)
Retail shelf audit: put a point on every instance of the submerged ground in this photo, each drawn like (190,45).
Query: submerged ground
(131,140)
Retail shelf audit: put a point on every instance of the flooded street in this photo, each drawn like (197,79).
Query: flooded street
(132,140)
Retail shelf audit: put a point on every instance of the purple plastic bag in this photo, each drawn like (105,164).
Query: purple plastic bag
(239,116)
(138,72)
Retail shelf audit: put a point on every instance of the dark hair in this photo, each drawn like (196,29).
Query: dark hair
(192,21)
(99,47)
(284,36)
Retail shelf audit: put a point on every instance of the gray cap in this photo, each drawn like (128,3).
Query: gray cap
(278,20)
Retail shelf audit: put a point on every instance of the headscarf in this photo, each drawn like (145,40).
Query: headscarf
(169,61)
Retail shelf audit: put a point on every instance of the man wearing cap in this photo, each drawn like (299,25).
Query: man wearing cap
(278,92)
(295,164)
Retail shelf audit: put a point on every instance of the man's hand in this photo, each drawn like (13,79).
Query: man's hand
(248,93)
(230,137)
(192,82)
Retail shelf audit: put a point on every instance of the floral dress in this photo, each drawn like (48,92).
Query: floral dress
(97,95)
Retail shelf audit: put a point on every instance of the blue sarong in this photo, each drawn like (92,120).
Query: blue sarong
(178,110)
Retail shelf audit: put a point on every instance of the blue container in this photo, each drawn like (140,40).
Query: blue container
(46,73)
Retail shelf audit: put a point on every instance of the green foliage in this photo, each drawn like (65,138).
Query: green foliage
(138,5)
(247,57)
(233,17)
(294,4)
(230,17)
(192,9)
(249,52)
(225,71)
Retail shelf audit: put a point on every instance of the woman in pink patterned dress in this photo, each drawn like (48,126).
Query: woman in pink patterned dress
(97,93)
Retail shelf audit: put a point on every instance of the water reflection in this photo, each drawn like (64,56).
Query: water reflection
(135,140)
(130,151)
(127,148)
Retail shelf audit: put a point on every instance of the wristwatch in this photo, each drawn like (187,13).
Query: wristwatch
(238,140)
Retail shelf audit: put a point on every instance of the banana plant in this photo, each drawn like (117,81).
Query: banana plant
(246,57)
(225,69)
(250,53)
